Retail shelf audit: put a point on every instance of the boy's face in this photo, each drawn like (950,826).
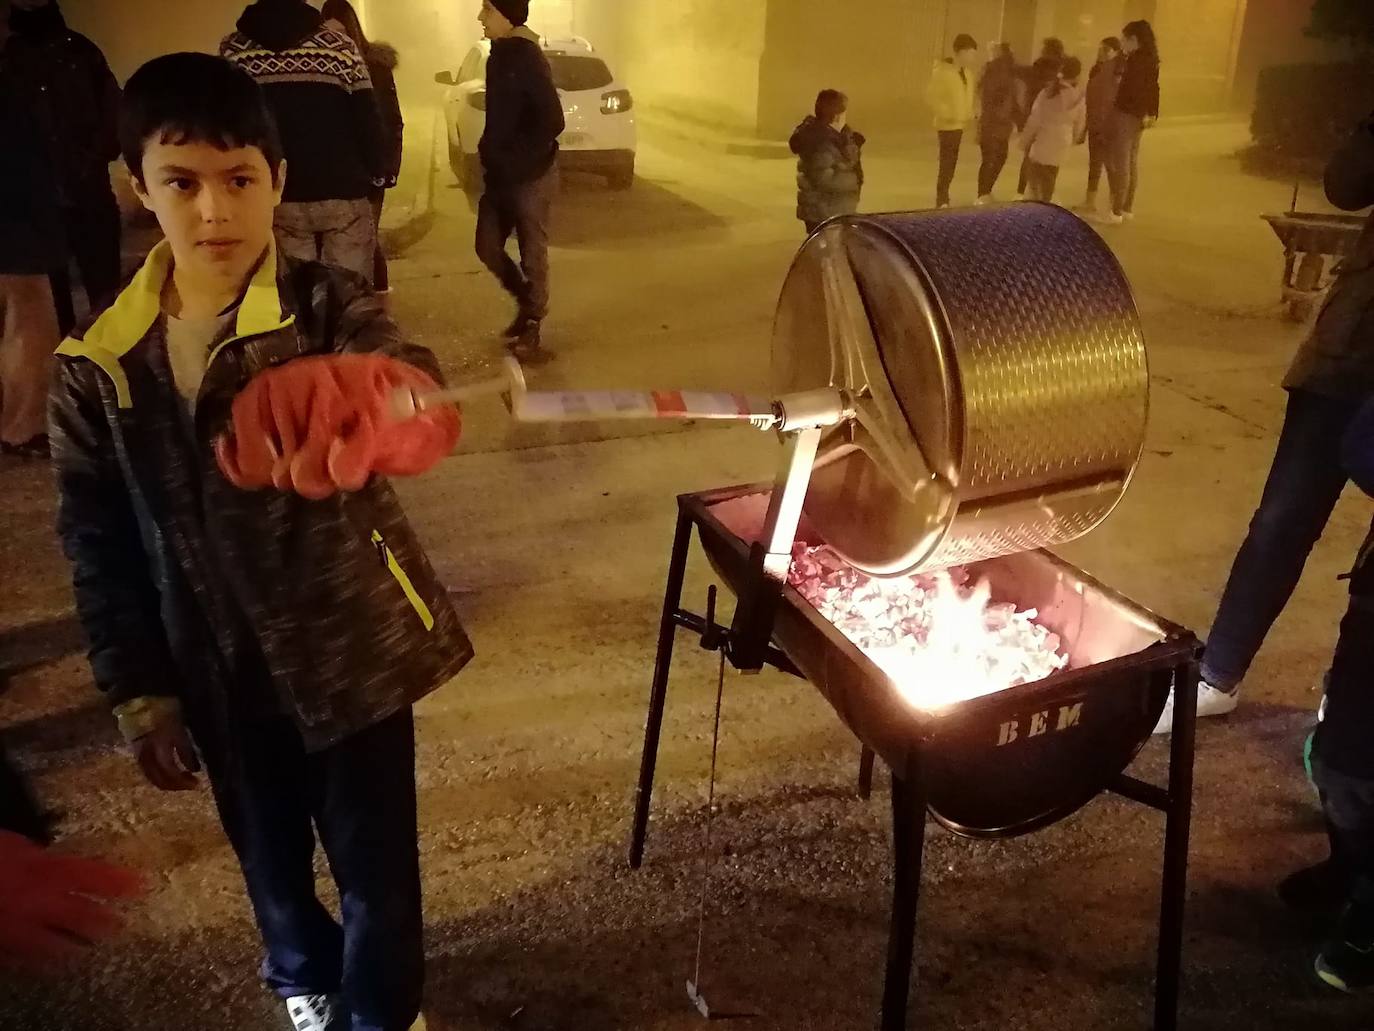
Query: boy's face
(214,206)
(967,59)
(1106,53)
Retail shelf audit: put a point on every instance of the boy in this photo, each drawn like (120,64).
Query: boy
(286,637)
(950,96)
(1103,84)
(830,171)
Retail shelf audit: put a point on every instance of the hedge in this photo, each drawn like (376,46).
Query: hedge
(1307,110)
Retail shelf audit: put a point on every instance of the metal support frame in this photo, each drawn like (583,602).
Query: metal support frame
(909,805)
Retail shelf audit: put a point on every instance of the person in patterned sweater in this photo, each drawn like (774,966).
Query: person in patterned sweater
(321,96)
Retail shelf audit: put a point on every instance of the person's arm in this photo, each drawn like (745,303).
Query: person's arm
(367,119)
(1357,450)
(1350,173)
(107,96)
(547,105)
(1032,126)
(117,601)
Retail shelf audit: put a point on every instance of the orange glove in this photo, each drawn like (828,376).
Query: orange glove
(320,425)
(52,905)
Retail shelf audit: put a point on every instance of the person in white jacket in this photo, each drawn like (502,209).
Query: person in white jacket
(951,94)
(1058,121)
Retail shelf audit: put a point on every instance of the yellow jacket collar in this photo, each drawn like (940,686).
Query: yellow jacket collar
(133,313)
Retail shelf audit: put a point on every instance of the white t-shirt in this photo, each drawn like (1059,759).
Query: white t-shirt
(189,342)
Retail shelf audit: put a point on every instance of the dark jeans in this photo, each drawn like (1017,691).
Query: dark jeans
(1023,177)
(1305,482)
(523,211)
(950,142)
(360,795)
(995,151)
(1123,162)
(92,230)
(1041,180)
(1099,150)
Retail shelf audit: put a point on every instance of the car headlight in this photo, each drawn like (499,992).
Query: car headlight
(616,102)
(478,100)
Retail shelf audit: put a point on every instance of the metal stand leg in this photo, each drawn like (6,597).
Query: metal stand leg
(1176,834)
(658,694)
(908,848)
(866,773)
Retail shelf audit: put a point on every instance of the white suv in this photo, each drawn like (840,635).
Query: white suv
(600,136)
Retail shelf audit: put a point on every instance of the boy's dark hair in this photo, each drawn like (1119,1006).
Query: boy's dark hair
(963,42)
(1113,43)
(1071,69)
(195,98)
(830,104)
(1053,47)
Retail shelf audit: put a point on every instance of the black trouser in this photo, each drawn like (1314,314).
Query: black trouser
(995,150)
(523,211)
(92,229)
(381,276)
(360,796)
(1041,180)
(950,142)
(1342,757)
(1099,153)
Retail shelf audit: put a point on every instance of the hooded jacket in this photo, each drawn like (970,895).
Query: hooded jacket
(950,96)
(192,591)
(830,173)
(1138,94)
(524,112)
(1000,100)
(62,78)
(30,219)
(1058,120)
(319,90)
(1337,357)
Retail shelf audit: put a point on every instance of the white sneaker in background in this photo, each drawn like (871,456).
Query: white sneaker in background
(1109,219)
(311,1012)
(1211,701)
(1128,216)
(983,201)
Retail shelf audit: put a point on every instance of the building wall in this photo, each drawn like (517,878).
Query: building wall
(131,32)
(1276,33)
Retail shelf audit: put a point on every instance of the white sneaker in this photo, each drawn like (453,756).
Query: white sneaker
(1109,219)
(312,1012)
(1128,216)
(1211,701)
(983,201)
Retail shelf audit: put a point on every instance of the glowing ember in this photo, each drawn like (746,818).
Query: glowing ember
(939,638)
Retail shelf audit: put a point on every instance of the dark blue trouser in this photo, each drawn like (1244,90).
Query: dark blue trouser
(1305,482)
(360,796)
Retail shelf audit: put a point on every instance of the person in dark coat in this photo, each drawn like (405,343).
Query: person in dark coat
(326,111)
(1103,83)
(519,151)
(1001,99)
(1331,377)
(63,79)
(830,172)
(1137,109)
(382,62)
(30,250)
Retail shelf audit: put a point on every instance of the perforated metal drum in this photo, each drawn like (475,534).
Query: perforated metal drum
(1001,376)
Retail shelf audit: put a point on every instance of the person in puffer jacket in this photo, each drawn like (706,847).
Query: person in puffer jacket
(1058,121)
(830,173)
(255,601)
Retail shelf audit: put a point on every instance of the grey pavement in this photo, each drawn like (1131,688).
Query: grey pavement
(555,544)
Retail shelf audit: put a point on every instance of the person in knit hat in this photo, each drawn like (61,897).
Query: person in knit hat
(519,151)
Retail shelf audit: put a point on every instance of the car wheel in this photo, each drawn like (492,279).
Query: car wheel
(455,160)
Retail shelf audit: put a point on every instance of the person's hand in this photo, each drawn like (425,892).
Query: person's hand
(167,757)
(320,425)
(1150,122)
(53,905)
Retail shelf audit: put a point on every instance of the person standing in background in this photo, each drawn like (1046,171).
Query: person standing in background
(322,101)
(382,62)
(62,78)
(1000,100)
(1036,79)
(830,173)
(951,98)
(519,150)
(1104,81)
(1058,120)
(30,249)
(1137,109)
